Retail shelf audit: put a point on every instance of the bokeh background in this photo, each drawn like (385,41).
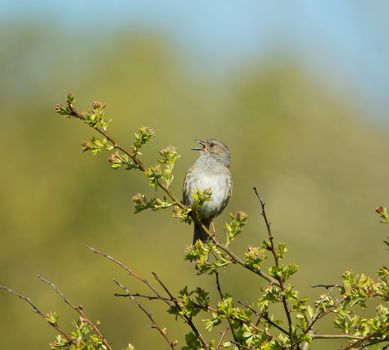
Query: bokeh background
(298,90)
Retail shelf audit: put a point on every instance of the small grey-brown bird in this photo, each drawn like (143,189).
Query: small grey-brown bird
(210,171)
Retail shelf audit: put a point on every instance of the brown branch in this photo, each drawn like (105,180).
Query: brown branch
(276,262)
(79,309)
(222,335)
(143,296)
(38,312)
(242,347)
(235,258)
(336,336)
(219,289)
(265,316)
(130,272)
(187,319)
(320,314)
(154,324)
(361,340)
(328,286)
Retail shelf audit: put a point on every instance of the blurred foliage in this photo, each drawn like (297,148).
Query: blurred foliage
(317,160)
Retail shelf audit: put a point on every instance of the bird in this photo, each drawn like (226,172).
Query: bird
(211,171)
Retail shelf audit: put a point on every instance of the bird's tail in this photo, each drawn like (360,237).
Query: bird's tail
(199,233)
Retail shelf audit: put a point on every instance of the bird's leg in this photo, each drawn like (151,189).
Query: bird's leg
(213,231)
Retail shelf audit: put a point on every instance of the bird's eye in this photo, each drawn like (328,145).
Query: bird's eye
(211,144)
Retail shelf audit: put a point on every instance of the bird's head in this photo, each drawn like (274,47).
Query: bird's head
(215,149)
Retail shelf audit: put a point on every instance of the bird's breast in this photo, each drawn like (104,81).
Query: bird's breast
(220,185)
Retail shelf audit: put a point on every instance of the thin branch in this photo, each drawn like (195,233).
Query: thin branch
(305,346)
(336,336)
(361,340)
(219,289)
(320,314)
(54,287)
(143,296)
(154,324)
(187,319)
(265,316)
(241,347)
(79,309)
(38,312)
(222,335)
(328,286)
(130,272)
(235,258)
(276,262)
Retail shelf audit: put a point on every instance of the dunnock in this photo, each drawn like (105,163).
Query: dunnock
(210,171)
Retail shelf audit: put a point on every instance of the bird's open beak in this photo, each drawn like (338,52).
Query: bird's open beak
(202,143)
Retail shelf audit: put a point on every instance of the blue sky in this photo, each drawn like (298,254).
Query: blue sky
(346,40)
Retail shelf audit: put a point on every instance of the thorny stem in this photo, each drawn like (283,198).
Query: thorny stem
(162,331)
(276,262)
(79,309)
(38,312)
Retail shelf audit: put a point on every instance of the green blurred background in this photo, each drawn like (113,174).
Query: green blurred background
(298,92)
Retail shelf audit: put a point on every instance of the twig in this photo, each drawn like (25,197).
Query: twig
(54,287)
(276,262)
(222,335)
(341,288)
(361,340)
(130,272)
(336,336)
(143,296)
(162,331)
(235,258)
(265,317)
(328,286)
(320,314)
(187,319)
(305,345)
(241,347)
(79,309)
(38,312)
(219,289)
